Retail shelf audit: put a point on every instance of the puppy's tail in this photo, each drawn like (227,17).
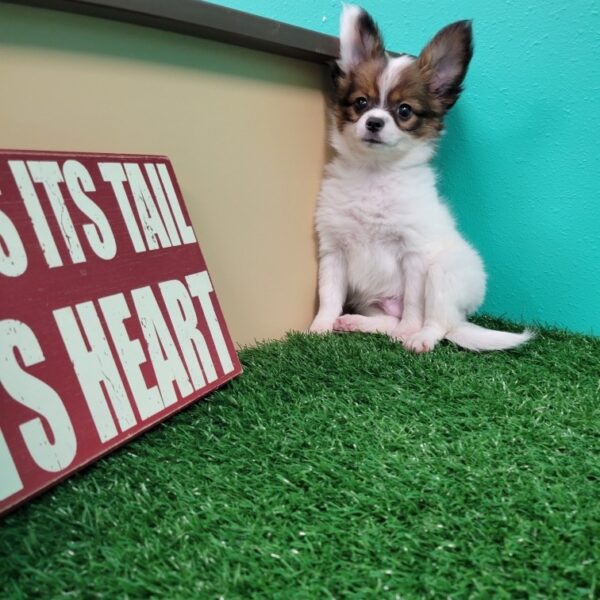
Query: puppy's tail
(476,338)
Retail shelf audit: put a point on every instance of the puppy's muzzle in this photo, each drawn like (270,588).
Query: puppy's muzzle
(374,124)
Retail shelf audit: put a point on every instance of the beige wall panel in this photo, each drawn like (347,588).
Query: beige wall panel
(245,131)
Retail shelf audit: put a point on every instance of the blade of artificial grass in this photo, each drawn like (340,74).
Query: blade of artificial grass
(341,466)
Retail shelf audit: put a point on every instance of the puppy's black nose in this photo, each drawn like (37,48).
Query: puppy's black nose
(374,124)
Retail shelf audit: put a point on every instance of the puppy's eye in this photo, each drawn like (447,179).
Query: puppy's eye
(404,112)
(360,104)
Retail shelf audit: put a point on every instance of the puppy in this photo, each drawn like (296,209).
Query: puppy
(389,250)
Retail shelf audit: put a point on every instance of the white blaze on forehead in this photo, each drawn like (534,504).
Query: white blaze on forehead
(391,74)
(378,113)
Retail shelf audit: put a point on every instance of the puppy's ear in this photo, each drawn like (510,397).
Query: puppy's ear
(360,39)
(333,84)
(444,61)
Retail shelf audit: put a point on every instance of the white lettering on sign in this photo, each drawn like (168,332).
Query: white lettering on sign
(95,368)
(114,174)
(77,180)
(131,354)
(186,231)
(115,340)
(185,324)
(13,259)
(153,215)
(48,174)
(157,207)
(10,481)
(152,224)
(165,211)
(36,395)
(161,347)
(201,288)
(184,367)
(36,213)
(99,233)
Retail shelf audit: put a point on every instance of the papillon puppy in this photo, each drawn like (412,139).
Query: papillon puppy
(389,251)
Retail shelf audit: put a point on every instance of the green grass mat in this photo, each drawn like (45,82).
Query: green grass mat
(341,466)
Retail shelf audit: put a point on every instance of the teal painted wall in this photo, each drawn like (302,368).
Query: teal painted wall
(520,163)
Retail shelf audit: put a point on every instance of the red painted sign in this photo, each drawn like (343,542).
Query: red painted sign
(108,318)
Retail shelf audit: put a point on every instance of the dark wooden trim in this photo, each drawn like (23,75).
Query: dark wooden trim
(206,20)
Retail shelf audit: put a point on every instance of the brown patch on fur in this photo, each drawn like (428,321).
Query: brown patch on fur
(361,82)
(430,86)
(433,83)
(371,40)
(444,61)
(427,111)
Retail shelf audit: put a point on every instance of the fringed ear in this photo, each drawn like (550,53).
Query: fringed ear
(333,83)
(360,39)
(444,61)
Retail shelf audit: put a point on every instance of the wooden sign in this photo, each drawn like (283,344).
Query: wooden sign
(108,318)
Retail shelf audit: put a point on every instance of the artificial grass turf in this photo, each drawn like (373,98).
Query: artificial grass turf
(341,466)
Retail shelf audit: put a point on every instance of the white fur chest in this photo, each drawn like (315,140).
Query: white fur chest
(357,213)
(383,207)
(374,218)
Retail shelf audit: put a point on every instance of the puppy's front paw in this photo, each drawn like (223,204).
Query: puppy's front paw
(320,325)
(349,323)
(424,340)
(405,329)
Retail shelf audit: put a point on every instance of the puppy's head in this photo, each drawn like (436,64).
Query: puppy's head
(386,106)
